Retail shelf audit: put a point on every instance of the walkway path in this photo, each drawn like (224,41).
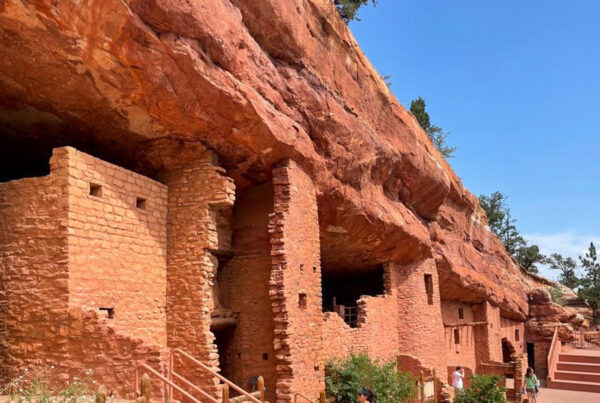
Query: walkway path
(567,396)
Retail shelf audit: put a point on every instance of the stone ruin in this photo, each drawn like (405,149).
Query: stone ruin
(182,174)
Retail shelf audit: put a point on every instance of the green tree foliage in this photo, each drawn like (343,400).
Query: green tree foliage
(590,282)
(484,389)
(556,296)
(504,226)
(349,8)
(567,267)
(344,377)
(437,134)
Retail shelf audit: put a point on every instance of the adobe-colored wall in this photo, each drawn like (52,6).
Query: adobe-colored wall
(196,191)
(463,353)
(39,329)
(508,328)
(420,326)
(294,229)
(33,270)
(488,344)
(117,251)
(244,286)
(377,330)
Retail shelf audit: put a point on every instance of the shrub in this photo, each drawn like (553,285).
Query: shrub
(344,377)
(38,387)
(484,389)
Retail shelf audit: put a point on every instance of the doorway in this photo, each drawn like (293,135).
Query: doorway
(531,355)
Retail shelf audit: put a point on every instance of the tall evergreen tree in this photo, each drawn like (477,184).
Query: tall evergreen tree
(504,226)
(567,267)
(590,282)
(436,133)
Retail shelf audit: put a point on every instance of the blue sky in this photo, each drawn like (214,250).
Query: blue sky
(516,83)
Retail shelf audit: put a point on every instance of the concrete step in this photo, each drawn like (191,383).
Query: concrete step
(590,359)
(577,376)
(574,385)
(578,367)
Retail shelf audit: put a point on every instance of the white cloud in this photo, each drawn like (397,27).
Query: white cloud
(568,243)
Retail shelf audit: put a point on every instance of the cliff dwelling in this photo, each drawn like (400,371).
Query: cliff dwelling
(164,203)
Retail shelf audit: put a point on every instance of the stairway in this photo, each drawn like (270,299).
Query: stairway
(577,370)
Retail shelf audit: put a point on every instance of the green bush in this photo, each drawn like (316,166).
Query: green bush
(344,377)
(484,389)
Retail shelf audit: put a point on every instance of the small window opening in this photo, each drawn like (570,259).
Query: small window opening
(456,336)
(302,301)
(461,313)
(314,269)
(95,190)
(517,334)
(429,288)
(140,203)
(301,267)
(316,367)
(110,312)
(265,356)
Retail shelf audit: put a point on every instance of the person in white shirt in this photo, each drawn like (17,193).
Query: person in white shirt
(457,378)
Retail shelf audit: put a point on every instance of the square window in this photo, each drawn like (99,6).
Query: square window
(429,288)
(302,301)
(140,203)
(461,313)
(516,334)
(456,336)
(95,190)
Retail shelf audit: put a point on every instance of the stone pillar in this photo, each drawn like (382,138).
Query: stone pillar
(420,326)
(196,189)
(295,284)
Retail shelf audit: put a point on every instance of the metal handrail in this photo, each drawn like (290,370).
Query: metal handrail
(166,381)
(210,370)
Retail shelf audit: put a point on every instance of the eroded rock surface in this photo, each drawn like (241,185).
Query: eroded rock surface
(257,82)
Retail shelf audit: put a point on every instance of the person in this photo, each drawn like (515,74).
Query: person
(531,384)
(457,378)
(365,396)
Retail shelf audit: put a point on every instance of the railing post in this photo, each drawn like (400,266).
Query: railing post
(435,387)
(101,394)
(322,397)
(261,388)
(145,387)
(422,387)
(225,392)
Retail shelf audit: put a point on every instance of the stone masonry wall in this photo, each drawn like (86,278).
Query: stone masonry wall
(463,352)
(296,284)
(38,328)
(377,330)
(33,271)
(420,326)
(117,245)
(244,286)
(514,332)
(488,343)
(196,191)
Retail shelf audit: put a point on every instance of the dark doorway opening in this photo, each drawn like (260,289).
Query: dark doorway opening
(508,351)
(224,339)
(531,355)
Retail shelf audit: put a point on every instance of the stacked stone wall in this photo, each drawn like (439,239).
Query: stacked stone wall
(488,343)
(117,245)
(296,284)
(196,191)
(420,326)
(463,352)
(514,332)
(40,331)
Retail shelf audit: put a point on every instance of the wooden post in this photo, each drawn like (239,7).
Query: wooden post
(145,387)
(225,392)
(101,394)
(322,397)
(422,387)
(261,388)
(435,387)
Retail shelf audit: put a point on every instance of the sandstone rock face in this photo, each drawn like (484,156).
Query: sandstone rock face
(114,76)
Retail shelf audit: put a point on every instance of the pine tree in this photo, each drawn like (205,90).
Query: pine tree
(349,8)
(437,134)
(590,283)
(567,267)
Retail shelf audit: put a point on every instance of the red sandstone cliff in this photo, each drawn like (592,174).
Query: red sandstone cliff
(256,81)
